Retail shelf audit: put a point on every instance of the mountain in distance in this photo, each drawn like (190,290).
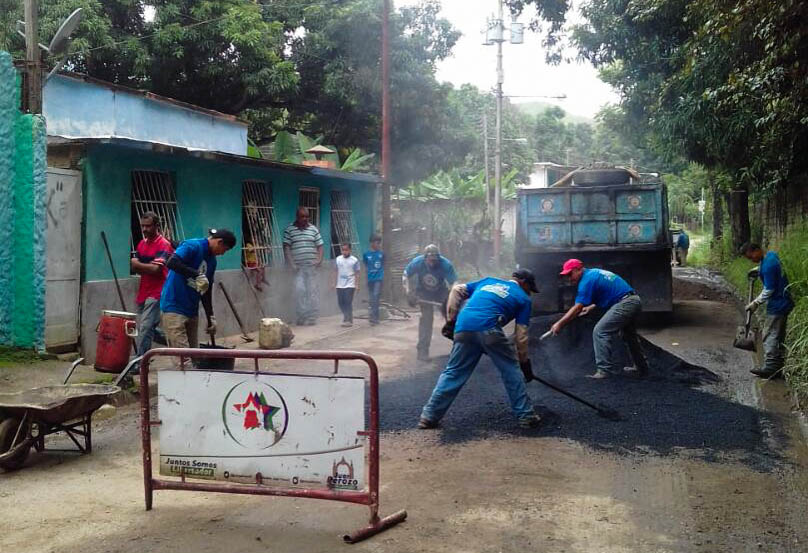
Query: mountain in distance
(535,108)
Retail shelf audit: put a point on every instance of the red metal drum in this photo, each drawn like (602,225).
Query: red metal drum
(115,332)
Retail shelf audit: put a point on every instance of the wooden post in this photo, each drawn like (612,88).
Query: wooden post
(386,223)
(32,59)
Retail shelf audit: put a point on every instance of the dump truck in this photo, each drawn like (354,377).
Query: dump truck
(612,219)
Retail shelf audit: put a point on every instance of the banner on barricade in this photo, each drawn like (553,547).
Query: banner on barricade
(299,431)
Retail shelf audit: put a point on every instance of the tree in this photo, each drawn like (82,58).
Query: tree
(219,54)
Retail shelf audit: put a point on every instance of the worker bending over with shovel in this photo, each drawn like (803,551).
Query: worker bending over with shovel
(190,277)
(621,306)
(779,304)
(477,329)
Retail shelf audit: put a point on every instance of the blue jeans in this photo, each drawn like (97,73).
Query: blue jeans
(619,319)
(374,295)
(345,302)
(467,349)
(307,298)
(148,317)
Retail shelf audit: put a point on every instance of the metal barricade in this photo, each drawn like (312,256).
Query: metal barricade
(368,496)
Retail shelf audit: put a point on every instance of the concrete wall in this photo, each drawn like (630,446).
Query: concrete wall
(208,195)
(22,210)
(76,108)
(276,300)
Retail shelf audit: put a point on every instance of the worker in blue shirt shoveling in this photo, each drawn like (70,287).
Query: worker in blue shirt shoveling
(477,329)
(779,304)
(622,307)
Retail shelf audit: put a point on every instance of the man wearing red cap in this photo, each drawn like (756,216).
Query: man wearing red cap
(621,306)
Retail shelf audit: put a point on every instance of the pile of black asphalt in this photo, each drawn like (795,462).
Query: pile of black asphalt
(678,407)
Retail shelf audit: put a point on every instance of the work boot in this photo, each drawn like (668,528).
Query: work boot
(599,374)
(423,356)
(530,421)
(763,372)
(426,423)
(635,372)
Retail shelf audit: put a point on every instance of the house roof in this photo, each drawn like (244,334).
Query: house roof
(151,96)
(369,178)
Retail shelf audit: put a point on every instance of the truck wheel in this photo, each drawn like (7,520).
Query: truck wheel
(601,177)
(8,429)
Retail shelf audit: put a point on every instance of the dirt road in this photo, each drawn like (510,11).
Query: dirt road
(707,459)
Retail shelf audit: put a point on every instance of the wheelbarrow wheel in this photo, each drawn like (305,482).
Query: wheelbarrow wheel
(8,429)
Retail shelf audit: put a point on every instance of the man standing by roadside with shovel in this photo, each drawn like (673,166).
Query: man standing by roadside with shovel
(425,283)
(622,306)
(189,281)
(152,253)
(778,305)
(492,303)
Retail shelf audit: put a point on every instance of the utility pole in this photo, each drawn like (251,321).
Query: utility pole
(485,154)
(386,222)
(495,32)
(498,147)
(33,68)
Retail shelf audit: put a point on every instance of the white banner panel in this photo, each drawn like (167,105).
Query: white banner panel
(293,430)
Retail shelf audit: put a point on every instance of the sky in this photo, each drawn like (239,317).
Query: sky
(526,73)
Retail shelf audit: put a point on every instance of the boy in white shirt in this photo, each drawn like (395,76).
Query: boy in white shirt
(346,281)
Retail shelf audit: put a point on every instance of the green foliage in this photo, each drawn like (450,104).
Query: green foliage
(684,193)
(291,148)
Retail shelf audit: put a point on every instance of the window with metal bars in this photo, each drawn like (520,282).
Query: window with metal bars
(310,199)
(154,191)
(262,237)
(343,227)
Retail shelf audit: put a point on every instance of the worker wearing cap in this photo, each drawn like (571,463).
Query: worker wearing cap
(477,329)
(426,282)
(622,306)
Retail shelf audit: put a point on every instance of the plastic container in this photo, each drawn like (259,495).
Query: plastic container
(116,329)
(270,334)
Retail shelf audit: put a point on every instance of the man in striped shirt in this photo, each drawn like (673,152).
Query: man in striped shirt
(303,248)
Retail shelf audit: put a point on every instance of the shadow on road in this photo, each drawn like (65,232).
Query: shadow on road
(675,409)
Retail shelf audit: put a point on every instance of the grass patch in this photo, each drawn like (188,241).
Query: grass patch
(699,253)
(17,356)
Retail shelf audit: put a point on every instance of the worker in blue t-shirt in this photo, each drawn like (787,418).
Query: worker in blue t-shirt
(426,282)
(492,303)
(190,276)
(622,306)
(374,266)
(778,305)
(682,246)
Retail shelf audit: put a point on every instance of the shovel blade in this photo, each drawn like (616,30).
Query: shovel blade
(744,339)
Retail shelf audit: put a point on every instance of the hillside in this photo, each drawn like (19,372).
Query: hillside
(534,108)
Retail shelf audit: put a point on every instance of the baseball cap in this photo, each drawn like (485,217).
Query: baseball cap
(526,275)
(571,264)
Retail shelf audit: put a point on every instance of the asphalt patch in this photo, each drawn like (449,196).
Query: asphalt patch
(677,409)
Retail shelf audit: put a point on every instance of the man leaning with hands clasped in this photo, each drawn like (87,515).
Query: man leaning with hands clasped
(492,303)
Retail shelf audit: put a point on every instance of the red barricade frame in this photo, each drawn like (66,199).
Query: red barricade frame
(369,496)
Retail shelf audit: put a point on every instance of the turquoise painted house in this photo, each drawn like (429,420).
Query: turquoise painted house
(114,153)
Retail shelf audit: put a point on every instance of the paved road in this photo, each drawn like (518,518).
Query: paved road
(706,459)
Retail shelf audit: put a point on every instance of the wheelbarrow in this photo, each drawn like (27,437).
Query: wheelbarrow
(26,417)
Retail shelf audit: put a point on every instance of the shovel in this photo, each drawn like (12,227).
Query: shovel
(745,335)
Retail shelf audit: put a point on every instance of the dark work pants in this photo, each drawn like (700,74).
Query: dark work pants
(619,319)
(345,301)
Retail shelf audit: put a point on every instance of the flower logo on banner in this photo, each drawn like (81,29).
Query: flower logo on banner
(254,415)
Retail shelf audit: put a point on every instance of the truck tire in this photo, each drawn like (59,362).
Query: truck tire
(601,177)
